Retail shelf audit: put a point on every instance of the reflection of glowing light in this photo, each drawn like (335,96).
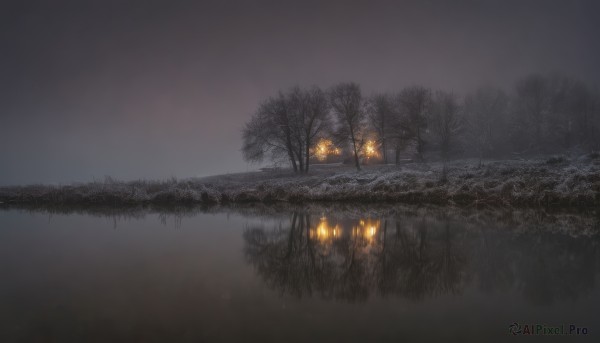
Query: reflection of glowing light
(326,233)
(366,229)
(323,232)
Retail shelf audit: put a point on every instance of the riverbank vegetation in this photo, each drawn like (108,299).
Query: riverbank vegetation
(550,181)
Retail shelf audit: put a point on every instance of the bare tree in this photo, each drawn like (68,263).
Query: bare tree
(584,107)
(415,104)
(485,115)
(286,126)
(297,103)
(571,112)
(311,108)
(269,133)
(561,112)
(401,131)
(553,112)
(381,113)
(446,123)
(531,109)
(595,120)
(546,113)
(348,106)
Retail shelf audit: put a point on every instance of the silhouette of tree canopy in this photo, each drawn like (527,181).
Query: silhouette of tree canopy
(301,259)
(540,114)
(418,257)
(287,126)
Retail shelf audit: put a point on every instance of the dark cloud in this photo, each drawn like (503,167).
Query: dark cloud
(153,89)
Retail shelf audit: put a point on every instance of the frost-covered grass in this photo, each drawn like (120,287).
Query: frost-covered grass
(544,181)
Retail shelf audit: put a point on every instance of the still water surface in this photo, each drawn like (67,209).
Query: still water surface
(297,274)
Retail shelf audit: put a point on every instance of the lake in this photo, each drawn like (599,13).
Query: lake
(298,273)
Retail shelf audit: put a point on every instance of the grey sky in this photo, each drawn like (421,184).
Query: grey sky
(153,89)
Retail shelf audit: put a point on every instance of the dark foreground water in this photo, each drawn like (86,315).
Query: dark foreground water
(298,274)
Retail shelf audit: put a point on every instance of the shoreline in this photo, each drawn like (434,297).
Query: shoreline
(542,182)
(571,221)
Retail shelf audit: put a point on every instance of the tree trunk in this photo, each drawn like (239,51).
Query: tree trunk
(356,162)
(419,145)
(293,161)
(300,160)
(290,151)
(383,147)
(307,156)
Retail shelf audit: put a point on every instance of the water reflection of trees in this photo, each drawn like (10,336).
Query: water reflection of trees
(415,252)
(349,259)
(419,260)
(417,257)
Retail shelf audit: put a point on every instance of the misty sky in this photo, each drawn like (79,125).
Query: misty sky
(154,89)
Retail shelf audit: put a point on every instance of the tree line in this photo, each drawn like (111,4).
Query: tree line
(541,114)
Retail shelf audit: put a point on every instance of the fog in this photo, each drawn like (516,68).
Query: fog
(152,89)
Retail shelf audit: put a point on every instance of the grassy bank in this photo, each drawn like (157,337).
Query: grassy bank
(550,181)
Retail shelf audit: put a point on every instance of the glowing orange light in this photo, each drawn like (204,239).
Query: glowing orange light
(371,149)
(325,148)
